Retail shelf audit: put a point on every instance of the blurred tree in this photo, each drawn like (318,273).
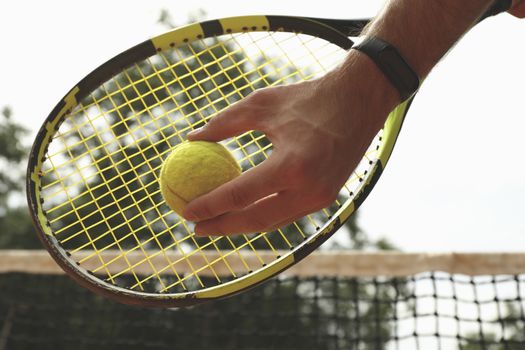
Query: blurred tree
(513,326)
(16,229)
(12,153)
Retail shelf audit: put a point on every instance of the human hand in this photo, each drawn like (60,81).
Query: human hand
(319,129)
(518,9)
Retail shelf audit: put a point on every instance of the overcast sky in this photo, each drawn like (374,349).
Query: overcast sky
(456,181)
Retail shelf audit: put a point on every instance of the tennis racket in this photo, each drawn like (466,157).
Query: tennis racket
(93,174)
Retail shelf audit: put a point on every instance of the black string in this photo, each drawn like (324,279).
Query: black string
(426,311)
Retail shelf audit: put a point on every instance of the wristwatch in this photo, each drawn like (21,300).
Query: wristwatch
(392,64)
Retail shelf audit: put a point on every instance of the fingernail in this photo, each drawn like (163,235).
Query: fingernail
(194,132)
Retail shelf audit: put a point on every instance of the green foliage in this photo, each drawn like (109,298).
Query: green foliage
(166,19)
(16,228)
(12,153)
(17,231)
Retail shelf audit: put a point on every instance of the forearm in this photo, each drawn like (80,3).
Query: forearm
(518,8)
(424,30)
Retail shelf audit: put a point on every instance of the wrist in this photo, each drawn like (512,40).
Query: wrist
(363,91)
(392,64)
(369,83)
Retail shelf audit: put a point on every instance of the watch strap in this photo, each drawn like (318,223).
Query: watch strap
(392,64)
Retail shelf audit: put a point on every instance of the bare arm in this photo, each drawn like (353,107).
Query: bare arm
(518,8)
(423,31)
(321,128)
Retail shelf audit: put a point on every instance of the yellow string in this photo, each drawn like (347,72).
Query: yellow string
(154,106)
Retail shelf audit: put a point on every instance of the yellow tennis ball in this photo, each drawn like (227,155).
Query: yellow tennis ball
(193,169)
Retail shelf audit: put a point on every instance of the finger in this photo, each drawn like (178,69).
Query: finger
(237,119)
(290,220)
(261,216)
(254,184)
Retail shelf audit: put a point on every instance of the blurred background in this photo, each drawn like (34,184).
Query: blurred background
(454,183)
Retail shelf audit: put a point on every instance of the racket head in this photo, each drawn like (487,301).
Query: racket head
(92,181)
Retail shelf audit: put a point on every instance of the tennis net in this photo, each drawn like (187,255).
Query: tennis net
(332,300)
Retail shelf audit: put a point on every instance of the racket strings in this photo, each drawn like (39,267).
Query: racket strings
(211,102)
(192,238)
(126,222)
(123,119)
(158,72)
(160,103)
(100,177)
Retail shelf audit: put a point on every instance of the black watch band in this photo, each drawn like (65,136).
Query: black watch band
(392,64)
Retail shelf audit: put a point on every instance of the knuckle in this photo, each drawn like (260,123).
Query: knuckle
(265,96)
(237,198)
(261,96)
(203,212)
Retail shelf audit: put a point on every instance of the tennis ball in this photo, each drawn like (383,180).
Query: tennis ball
(193,169)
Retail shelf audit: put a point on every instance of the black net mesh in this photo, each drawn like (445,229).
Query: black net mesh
(425,311)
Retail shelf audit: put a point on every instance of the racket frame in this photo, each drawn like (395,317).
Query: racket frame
(334,31)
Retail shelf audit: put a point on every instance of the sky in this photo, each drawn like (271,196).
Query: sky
(456,180)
